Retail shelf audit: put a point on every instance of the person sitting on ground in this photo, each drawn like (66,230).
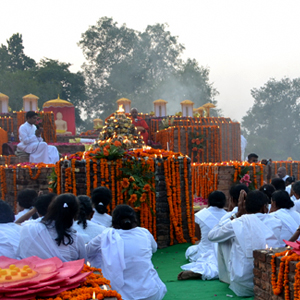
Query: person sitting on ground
(32,143)
(86,228)
(124,254)
(288,183)
(252,158)
(268,190)
(250,229)
(54,236)
(9,231)
(40,206)
(140,124)
(295,195)
(281,209)
(224,248)
(101,198)
(281,173)
(25,200)
(203,256)
(278,184)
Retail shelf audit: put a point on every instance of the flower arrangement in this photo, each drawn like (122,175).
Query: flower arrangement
(110,149)
(246,180)
(166,123)
(242,176)
(136,182)
(200,203)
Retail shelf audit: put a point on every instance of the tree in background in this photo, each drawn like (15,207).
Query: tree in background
(141,66)
(12,56)
(21,75)
(271,126)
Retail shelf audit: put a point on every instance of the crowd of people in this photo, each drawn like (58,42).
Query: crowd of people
(73,228)
(254,219)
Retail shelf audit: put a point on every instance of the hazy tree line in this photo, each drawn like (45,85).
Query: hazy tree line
(145,66)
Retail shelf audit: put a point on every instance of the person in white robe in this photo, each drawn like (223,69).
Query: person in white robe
(203,256)
(101,198)
(32,143)
(9,231)
(224,248)
(250,229)
(83,226)
(53,236)
(281,208)
(124,254)
(25,200)
(295,195)
(40,207)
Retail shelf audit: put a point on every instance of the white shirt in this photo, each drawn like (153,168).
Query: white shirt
(249,232)
(102,219)
(38,240)
(204,255)
(91,231)
(290,221)
(27,136)
(127,262)
(9,239)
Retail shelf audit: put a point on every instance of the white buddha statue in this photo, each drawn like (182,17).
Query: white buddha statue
(61,125)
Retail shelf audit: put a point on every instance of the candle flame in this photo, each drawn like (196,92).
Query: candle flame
(271,249)
(121,109)
(104,287)
(267,246)
(287,253)
(88,264)
(94,295)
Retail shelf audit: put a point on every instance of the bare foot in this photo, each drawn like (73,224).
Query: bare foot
(184,275)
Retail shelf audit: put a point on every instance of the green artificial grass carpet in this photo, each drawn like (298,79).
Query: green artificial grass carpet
(167,262)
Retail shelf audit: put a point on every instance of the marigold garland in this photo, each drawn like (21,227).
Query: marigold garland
(282,282)
(91,285)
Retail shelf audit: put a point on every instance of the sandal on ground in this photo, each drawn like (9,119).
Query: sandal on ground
(184,275)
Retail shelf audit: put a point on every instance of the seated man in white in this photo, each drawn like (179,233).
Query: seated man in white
(250,229)
(32,143)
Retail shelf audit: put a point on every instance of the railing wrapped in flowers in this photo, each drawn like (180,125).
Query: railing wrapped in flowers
(155,182)
(277,272)
(201,143)
(230,133)
(208,177)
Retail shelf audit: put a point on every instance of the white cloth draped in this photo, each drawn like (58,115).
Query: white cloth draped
(224,250)
(39,151)
(38,240)
(102,219)
(9,239)
(91,231)
(247,233)
(290,221)
(203,256)
(125,259)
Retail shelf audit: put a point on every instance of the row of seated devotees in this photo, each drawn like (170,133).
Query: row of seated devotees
(72,228)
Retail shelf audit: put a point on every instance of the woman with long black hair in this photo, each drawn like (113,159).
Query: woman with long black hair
(54,236)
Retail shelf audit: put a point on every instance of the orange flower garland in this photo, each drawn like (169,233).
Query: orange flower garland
(68,180)
(88,177)
(91,285)
(282,282)
(73,161)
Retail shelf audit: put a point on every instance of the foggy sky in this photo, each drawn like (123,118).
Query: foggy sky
(244,43)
